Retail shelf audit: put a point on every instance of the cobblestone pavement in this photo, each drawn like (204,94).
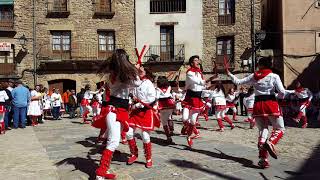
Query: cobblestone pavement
(65,150)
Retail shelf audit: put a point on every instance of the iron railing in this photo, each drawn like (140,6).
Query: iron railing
(158,53)
(58,6)
(7,68)
(228,19)
(6,22)
(77,52)
(167,6)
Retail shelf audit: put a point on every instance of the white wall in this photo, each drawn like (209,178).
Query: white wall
(188,31)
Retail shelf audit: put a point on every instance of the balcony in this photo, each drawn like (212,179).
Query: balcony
(225,20)
(58,8)
(6,23)
(103,9)
(81,52)
(7,68)
(165,54)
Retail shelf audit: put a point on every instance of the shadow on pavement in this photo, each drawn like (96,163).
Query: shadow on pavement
(192,165)
(310,169)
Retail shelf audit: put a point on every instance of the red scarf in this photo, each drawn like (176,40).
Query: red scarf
(194,69)
(261,74)
(299,89)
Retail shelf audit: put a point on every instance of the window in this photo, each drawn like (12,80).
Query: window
(6,17)
(225,47)
(106,41)
(226,14)
(61,40)
(166,42)
(103,6)
(167,6)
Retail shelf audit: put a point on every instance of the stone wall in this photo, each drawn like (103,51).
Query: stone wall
(83,26)
(241,30)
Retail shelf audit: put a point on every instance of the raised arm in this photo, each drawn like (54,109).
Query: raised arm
(279,86)
(238,81)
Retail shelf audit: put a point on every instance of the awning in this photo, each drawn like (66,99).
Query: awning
(6,2)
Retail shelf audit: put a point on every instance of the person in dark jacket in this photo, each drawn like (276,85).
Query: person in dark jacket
(72,103)
(80,96)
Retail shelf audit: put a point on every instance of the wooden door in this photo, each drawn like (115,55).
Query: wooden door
(166,43)
(55,85)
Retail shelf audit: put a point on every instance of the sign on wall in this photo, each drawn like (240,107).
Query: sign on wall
(4,46)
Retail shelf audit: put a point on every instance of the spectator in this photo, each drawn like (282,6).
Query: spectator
(72,103)
(34,109)
(80,96)
(46,101)
(3,98)
(56,104)
(20,101)
(65,99)
(242,94)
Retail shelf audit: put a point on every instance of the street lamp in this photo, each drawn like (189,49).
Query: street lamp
(23,41)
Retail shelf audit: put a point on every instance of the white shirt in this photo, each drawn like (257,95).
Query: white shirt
(249,101)
(194,81)
(122,90)
(164,93)
(89,94)
(217,96)
(306,93)
(231,97)
(264,86)
(3,96)
(56,100)
(99,97)
(146,92)
(10,88)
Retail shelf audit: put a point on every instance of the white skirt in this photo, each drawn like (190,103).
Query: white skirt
(34,109)
(46,105)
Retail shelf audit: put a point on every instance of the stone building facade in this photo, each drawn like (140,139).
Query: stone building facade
(227,33)
(73,39)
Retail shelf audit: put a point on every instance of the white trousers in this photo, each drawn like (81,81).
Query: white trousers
(220,114)
(145,135)
(262,124)
(113,131)
(165,115)
(190,115)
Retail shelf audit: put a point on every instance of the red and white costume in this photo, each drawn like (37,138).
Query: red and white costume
(34,108)
(231,103)
(249,103)
(305,97)
(3,98)
(85,103)
(193,103)
(114,117)
(178,97)
(265,109)
(220,107)
(166,105)
(142,117)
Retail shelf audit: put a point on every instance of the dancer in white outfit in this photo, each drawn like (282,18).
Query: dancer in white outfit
(34,108)
(248,101)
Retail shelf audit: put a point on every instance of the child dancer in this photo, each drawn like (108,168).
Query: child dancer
(142,117)
(231,99)
(123,77)
(165,105)
(265,108)
(85,103)
(248,101)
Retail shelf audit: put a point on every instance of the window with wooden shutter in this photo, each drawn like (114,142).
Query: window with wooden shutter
(226,13)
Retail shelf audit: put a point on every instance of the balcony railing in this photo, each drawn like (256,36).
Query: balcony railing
(58,8)
(6,22)
(7,68)
(103,8)
(77,52)
(228,19)
(157,53)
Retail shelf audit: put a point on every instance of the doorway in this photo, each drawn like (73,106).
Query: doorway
(166,43)
(62,84)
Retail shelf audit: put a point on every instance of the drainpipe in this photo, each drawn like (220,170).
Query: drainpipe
(135,26)
(253,41)
(34,43)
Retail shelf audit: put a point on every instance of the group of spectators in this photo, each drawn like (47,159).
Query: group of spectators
(21,105)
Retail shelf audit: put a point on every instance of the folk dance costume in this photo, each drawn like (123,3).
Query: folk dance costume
(249,102)
(265,109)
(3,98)
(178,97)
(114,117)
(193,103)
(166,106)
(220,108)
(85,103)
(46,101)
(34,108)
(305,97)
(143,118)
(231,99)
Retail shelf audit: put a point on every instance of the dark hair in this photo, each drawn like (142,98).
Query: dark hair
(162,82)
(149,74)
(250,90)
(87,87)
(192,58)
(82,90)
(219,87)
(265,62)
(121,67)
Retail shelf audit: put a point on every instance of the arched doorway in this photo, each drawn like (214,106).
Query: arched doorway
(62,85)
